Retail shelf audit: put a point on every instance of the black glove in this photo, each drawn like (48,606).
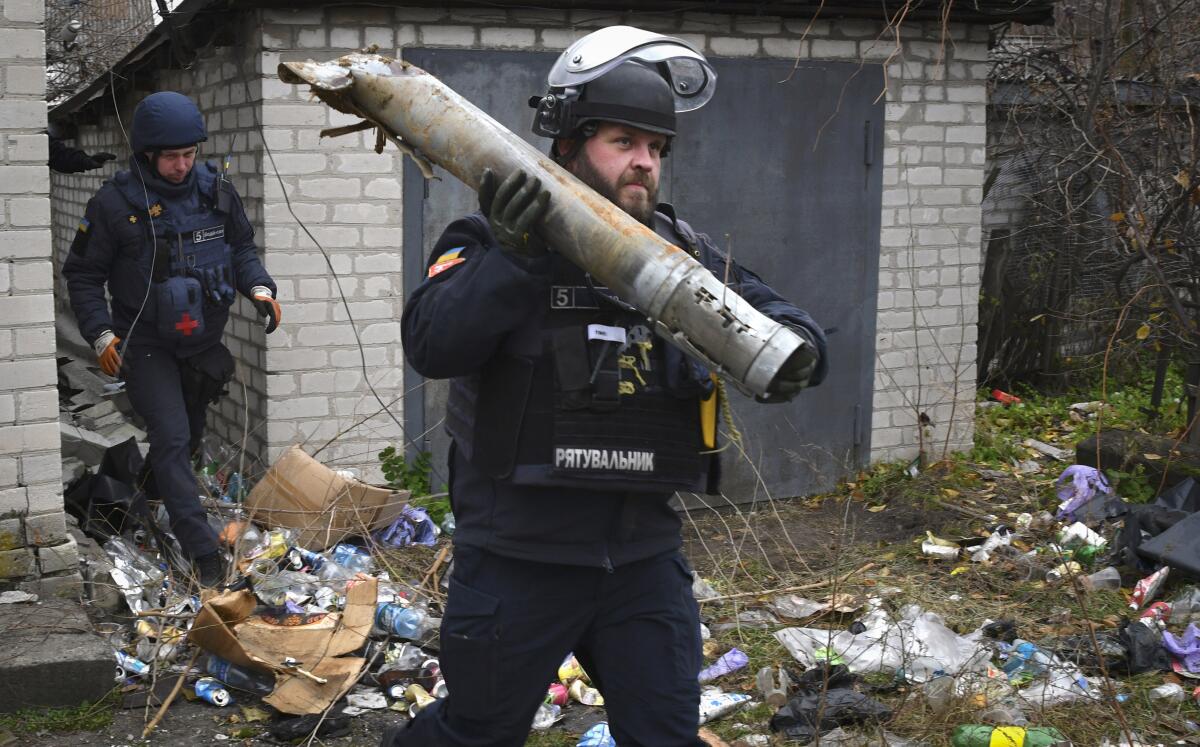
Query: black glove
(514,210)
(99,159)
(795,374)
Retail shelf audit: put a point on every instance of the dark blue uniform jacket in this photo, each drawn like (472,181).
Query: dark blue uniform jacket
(113,246)
(459,317)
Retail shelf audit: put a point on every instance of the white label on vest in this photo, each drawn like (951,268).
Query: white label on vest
(618,460)
(208,234)
(606,333)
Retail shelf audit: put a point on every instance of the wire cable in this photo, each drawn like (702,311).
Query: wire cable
(384,406)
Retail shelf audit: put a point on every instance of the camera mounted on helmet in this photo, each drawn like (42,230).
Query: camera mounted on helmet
(622,74)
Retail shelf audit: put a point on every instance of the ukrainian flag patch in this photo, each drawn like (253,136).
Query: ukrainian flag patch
(452,254)
(84,225)
(446,261)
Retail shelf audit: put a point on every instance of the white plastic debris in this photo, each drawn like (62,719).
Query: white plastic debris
(795,606)
(702,589)
(715,704)
(919,644)
(17,597)
(370,699)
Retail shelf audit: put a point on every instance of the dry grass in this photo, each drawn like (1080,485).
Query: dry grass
(965,594)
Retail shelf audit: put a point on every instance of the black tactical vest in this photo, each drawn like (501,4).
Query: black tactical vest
(581,398)
(192,262)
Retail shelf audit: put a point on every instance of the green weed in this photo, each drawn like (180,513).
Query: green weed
(404,475)
(83,717)
(1134,486)
(415,476)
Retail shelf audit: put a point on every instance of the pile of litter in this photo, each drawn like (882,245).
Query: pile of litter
(997,672)
(314,627)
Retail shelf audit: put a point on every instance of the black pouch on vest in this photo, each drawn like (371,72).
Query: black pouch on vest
(206,373)
(179,307)
(571,371)
(605,376)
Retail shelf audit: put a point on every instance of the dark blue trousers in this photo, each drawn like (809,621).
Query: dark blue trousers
(174,412)
(509,624)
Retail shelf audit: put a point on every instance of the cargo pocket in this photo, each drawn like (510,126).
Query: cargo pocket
(470,638)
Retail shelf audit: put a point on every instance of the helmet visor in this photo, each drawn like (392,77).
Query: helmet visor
(693,80)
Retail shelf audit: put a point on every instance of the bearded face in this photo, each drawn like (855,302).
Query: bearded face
(623,163)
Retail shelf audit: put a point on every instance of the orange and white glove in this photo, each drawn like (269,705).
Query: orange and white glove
(106,352)
(264,301)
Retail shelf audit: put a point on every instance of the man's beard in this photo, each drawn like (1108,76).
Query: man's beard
(642,210)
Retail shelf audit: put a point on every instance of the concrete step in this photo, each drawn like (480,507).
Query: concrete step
(52,658)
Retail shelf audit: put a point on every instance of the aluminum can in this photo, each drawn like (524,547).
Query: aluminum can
(131,666)
(419,697)
(213,691)
(430,674)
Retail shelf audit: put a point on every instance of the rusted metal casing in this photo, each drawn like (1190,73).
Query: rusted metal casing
(688,303)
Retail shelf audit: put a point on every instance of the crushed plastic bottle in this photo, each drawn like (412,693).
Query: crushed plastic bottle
(546,716)
(999,538)
(400,621)
(938,692)
(406,657)
(1079,533)
(353,559)
(235,489)
(237,677)
(1025,662)
(1003,713)
(1172,692)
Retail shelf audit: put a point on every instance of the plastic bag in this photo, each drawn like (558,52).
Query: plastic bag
(1085,483)
(919,644)
(825,700)
(412,527)
(1186,647)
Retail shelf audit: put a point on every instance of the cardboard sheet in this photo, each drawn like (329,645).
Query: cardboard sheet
(226,628)
(300,493)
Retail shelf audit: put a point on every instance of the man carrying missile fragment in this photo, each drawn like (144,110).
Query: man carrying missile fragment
(573,423)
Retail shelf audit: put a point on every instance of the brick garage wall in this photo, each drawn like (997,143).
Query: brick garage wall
(349,197)
(35,551)
(224,83)
(930,261)
(930,253)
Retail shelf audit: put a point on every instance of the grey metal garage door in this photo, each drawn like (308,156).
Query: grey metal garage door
(786,176)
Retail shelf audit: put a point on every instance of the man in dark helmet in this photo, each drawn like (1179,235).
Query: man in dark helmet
(573,423)
(171,241)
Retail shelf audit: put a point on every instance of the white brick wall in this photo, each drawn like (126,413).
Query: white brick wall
(306,382)
(30,476)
